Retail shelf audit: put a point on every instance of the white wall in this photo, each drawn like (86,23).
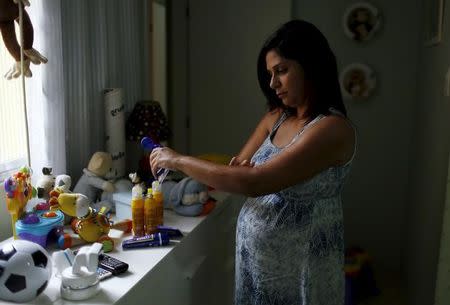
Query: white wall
(375,195)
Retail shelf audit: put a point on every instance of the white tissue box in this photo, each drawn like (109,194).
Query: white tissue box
(122,201)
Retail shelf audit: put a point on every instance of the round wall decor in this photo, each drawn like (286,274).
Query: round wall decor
(357,81)
(361,21)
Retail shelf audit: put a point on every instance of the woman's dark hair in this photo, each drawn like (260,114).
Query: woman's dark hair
(301,41)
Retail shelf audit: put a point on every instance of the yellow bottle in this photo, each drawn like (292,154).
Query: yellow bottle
(137,213)
(158,198)
(150,213)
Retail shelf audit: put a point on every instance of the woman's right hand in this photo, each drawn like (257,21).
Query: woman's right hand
(162,157)
(235,162)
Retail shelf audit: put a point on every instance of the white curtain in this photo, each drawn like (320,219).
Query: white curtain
(105,45)
(91,45)
(45,90)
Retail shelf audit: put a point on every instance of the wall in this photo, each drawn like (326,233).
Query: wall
(375,196)
(443,268)
(214,51)
(428,171)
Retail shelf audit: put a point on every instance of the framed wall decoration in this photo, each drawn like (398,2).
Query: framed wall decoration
(358,82)
(361,21)
(434,14)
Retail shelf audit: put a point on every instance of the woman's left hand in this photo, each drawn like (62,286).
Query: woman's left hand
(163,157)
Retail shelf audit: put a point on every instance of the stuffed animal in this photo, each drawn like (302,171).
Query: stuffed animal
(186,197)
(139,186)
(92,182)
(45,184)
(9,11)
(63,183)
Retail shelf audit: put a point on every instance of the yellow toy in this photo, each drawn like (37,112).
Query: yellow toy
(18,190)
(90,225)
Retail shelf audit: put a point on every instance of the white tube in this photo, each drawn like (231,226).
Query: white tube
(115,130)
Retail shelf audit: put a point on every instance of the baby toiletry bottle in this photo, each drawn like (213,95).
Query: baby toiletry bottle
(158,198)
(150,213)
(137,211)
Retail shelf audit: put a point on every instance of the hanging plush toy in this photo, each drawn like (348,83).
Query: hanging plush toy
(9,11)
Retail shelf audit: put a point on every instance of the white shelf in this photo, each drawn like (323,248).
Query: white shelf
(174,269)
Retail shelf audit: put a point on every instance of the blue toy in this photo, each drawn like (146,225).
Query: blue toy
(186,197)
(38,226)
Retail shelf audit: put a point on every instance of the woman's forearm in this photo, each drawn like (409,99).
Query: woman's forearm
(233,179)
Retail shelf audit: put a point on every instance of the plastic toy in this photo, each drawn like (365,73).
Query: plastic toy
(18,190)
(26,269)
(40,226)
(62,185)
(79,279)
(186,197)
(90,225)
(359,276)
(10,11)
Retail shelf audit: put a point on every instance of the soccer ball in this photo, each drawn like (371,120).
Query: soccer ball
(25,269)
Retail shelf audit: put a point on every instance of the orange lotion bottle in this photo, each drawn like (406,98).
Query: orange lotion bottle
(159,203)
(150,213)
(137,212)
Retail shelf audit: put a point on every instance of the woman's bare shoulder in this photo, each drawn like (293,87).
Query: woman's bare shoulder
(339,124)
(271,117)
(338,131)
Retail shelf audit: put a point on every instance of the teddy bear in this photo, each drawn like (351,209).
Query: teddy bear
(9,11)
(93,182)
(186,197)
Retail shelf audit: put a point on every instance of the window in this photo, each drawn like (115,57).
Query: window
(13,150)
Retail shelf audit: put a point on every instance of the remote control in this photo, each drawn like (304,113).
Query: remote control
(112,264)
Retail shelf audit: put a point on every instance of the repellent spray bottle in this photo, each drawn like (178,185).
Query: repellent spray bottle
(158,198)
(137,211)
(150,213)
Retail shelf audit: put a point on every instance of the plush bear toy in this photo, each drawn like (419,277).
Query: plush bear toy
(93,182)
(9,11)
(186,197)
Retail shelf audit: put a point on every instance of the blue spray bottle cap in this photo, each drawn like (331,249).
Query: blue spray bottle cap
(148,144)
